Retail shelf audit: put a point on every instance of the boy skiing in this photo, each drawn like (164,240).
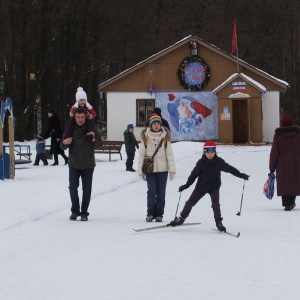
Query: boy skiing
(208,171)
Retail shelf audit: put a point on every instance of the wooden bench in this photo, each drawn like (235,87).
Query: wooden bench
(110,147)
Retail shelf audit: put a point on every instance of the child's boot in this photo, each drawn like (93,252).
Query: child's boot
(220,226)
(177,221)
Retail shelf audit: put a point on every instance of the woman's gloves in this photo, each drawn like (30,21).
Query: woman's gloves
(172,176)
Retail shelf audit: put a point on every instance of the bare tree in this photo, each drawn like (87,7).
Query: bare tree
(49,48)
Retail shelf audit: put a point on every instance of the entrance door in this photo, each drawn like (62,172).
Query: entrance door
(240,121)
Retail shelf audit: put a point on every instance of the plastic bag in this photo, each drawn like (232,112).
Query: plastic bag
(268,188)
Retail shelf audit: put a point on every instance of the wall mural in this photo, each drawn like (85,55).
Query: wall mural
(191,115)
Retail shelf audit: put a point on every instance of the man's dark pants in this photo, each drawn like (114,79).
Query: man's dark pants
(86,180)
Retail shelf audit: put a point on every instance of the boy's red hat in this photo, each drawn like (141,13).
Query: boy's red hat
(209,146)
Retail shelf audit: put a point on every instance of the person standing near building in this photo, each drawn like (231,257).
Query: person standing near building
(152,137)
(130,145)
(81,163)
(55,133)
(284,160)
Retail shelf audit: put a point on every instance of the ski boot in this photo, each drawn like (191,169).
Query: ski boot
(220,226)
(177,221)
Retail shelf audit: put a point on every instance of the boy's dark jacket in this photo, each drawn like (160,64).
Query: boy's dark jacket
(40,147)
(130,141)
(81,151)
(209,173)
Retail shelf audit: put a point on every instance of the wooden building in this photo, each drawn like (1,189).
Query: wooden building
(203,92)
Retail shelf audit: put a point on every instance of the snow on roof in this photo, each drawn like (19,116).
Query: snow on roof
(239,95)
(243,76)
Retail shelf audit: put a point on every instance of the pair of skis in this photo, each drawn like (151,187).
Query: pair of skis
(162,226)
(184,224)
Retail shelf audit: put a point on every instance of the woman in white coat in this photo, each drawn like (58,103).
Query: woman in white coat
(163,164)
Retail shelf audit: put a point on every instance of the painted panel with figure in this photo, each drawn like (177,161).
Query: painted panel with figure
(191,115)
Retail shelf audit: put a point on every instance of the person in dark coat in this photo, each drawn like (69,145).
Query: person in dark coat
(284,159)
(81,163)
(55,133)
(130,145)
(164,122)
(208,171)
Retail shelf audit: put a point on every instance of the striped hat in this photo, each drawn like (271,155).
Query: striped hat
(209,146)
(154,118)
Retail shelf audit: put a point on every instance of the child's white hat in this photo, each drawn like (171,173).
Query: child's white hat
(81,94)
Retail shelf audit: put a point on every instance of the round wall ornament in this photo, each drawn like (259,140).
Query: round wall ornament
(193,73)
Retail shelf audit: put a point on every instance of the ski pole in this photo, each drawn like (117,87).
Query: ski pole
(239,212)
(177,205)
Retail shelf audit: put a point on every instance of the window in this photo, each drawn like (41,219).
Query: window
(144,108)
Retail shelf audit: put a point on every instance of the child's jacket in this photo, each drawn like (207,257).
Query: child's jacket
(40,146)
(209,173)
(130,141)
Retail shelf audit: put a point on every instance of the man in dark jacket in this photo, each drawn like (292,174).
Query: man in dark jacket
(284,159)
(81,163)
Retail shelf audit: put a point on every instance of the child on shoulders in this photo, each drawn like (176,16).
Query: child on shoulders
(81,101)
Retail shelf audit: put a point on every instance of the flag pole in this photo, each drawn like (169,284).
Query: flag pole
(234,45)
(237,57)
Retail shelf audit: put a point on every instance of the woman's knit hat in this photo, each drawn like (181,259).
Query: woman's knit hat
(209,146)
(287,121)
(81,94)
(154,118)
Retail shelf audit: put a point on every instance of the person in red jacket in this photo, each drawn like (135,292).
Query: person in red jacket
(284,159)
(208,171)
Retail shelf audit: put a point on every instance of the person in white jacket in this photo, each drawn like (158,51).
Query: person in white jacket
(163,164)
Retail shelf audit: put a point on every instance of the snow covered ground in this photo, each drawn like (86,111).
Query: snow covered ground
(46,256)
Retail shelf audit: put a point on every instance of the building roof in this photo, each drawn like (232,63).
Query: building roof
(214,48)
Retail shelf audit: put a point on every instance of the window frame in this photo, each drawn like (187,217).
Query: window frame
(145,106)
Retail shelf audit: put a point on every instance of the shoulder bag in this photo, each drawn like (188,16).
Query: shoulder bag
(147,167)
